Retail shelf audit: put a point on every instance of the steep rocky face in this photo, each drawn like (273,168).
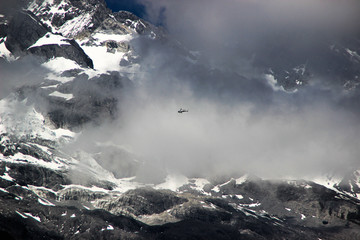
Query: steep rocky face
(24,30)
(278,210)
(69,51)
(140,202)
(70,18)
(78,18)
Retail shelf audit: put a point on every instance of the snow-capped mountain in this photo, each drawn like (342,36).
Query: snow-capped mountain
(65,66)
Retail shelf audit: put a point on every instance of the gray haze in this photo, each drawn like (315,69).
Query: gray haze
(231,33)
(24,72)
(283,140)
(238,124)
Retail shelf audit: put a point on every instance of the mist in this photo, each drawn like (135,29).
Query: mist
(237,122)
(23,72)
(292,135)
(232,34)
(215,138)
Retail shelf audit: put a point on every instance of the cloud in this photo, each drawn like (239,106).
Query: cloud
(236,122)
(220,20)
(229,33)
(9,5)
(216,138)
(23,72)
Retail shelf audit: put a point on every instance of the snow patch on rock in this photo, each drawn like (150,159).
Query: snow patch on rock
(66,96)
(50,39)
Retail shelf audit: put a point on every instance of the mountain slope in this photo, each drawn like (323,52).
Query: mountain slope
(84,58)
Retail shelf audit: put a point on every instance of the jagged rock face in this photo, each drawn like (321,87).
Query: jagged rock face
(350,184)
(141,202)
(39,200)
(10,146)
(88,103)
(71,51)
(25,30)
(133,21)
(315,203)
(37,176)
(81,195)
(88,15)
(76,18)
(32,220)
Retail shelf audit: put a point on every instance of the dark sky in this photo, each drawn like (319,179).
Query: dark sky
(127,5)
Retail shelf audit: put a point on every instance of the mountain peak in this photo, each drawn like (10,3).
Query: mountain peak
(92,145)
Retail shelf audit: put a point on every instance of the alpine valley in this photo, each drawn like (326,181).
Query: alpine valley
(71,74)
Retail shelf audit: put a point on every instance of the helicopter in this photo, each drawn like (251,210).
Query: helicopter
(183,110)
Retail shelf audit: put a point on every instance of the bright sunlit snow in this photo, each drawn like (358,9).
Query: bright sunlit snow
(50,39)
(45,202)
(66,96)
(32,216)
(61,64)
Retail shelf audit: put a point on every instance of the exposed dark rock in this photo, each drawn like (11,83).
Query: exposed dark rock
(141,201)
(97,8)
(71,73)
(3,30)
(287,192)
(138,24)
(10,145)
(38,176)
(195,229)
(79,194)
(61,222)
(23,31)
(72,51)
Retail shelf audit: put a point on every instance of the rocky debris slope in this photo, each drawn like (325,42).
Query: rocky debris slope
(39,201)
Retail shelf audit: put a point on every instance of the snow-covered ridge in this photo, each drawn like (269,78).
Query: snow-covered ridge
(50,39)
(95,29)
(50,13)
(111,47)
